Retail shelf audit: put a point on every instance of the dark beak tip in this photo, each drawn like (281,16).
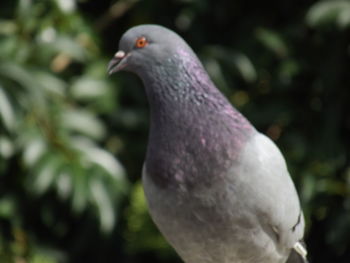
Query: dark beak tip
(112,66)
(111,71)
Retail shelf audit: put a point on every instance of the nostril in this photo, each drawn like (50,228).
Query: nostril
(120,54)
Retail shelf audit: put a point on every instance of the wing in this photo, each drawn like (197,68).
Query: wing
(269,192)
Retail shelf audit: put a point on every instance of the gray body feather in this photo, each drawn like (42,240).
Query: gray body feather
(238,221)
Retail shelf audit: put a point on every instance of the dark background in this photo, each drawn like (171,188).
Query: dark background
(72,139)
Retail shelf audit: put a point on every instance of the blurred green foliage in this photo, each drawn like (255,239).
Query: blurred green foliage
(72,139)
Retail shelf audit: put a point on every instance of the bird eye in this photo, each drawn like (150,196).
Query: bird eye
(141,42)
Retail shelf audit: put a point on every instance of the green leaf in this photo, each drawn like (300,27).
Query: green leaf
(46,173)
(8,46)
(7,147)
(215,71)
(24,8)
(99,157)
(308,187)
(50,83)
(7,113)
(140,232)
(329,12)
(232,59)
(27,83)
(64,183)
(344,17)
(103,203)
(273,41)
(7,27)
(7,207)
(70,47)
(83,122)
(87,88)
(34,151)
(66,6)
(80,196)
(245,67)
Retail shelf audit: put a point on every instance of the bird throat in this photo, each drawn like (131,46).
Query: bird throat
(195,133)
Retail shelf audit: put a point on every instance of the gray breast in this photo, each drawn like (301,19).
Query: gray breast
(233,220)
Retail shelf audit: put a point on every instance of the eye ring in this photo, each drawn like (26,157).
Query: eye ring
(141,42)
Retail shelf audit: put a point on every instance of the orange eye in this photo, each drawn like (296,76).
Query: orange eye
(141,42)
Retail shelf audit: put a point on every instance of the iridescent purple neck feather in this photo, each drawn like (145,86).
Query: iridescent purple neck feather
(195,134)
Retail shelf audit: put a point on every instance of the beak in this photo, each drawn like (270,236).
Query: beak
(117,63)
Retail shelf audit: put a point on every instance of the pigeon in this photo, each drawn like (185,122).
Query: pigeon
(218,190)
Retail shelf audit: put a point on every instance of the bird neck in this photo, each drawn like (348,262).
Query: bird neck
(180,83)
(193,126)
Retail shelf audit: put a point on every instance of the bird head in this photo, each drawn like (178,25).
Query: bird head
(144,46)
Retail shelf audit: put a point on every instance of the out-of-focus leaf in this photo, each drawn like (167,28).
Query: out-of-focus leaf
(83,122)
(97,70)
(140,232)
(45,173)
(240,98)
(185,19)
(18,74)
(104,204)
(100,157)
(330,186)
(38,258)
(33,151)
(26,81)
(7,207)
(7,147)
(24,8)
(50,83)
(68,47)
(273,41)
(67,6)
(344,18)
(328,12)
(7,27)
(64,184)
(245,67)
(80,196)
(43,254)
(138,209)
(308,187)
(8,46)
(88,88)
(7,113)
(47,35)
(214,69)
(289,68)
(232,59)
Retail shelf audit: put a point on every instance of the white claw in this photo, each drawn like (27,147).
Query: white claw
(298,247)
